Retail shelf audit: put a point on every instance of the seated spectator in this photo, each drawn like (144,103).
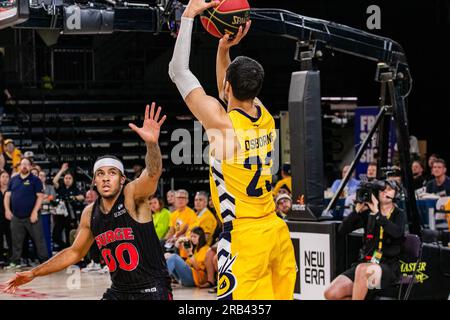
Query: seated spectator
(12,157)
(191,272)
(420,180)
(180,219)
(286,180)
(170,196)
(351,186)
(384,227)
(441,183)
(161,216)
(283,204)
(205,218)
(371,171)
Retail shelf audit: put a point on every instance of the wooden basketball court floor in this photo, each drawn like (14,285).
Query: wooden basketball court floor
(74,285)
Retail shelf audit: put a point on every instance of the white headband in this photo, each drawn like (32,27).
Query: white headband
(109,162)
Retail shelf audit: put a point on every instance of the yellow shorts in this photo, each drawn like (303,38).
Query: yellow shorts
(256,260)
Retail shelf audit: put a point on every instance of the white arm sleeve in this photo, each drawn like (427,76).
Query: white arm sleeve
(179,65)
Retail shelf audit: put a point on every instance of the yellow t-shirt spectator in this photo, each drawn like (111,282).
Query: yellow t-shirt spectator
(199,274)
(14,159)
(285,183)
(206,220)
(180,218)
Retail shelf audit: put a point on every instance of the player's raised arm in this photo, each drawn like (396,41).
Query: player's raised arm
(205,108)
(144,186)
(62,260)
(223,59)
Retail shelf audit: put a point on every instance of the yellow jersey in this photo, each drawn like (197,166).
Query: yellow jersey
(241,185)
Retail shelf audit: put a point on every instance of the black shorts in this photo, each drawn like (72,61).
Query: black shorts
(390,274)
(155,293)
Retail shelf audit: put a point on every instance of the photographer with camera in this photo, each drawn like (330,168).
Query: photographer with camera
(192,272)
(69,198)
(384,226)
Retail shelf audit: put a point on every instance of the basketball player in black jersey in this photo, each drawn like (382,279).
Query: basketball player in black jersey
(120,223)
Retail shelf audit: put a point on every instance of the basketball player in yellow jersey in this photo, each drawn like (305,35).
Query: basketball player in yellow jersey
(255,252)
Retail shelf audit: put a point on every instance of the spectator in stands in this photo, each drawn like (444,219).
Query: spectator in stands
(161,216)
(68,196)
(283,205)
(371,171)
(180,219)
(384,227)
(211,205)
(205,218)
(191,272)
(12,157)
(352,183)
(286,180)
(47,210)
(23,200)
(4,93)
(433,157)
(5,231)
(170,196)
(441,183)
(418,169)
(90,197)
(35,172)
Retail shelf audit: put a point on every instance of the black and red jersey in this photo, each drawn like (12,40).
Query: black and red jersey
(130,249)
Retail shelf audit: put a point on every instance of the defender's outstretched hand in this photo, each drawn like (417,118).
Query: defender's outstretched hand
(226,43)
(151,126)
(195,7)
(19,279)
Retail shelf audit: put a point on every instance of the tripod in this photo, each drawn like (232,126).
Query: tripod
(394,81)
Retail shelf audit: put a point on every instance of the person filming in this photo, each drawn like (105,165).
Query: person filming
(384,226)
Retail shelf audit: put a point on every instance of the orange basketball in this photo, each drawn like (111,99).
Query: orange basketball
(227,17)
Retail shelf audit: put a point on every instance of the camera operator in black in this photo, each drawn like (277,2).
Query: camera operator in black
(72,198)
(378,266)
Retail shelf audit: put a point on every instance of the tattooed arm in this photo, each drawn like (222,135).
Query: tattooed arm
(144,186)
